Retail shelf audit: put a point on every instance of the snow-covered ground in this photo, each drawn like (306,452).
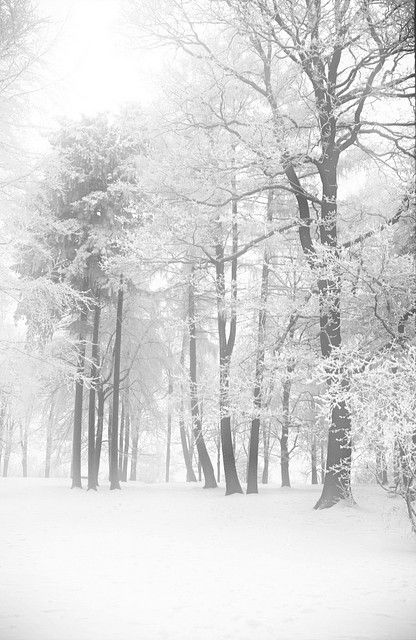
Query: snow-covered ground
(179,563)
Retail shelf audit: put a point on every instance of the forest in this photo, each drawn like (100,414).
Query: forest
(214,288)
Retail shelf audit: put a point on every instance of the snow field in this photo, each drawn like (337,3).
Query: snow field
(157,562)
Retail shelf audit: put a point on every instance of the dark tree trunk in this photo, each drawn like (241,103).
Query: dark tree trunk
(134,452)
(126,440)
(284,439)
(79,396)
(114,475)
(253,452)
(226,346)
(2,424)
(169,429)
(219,458)
(121,440)
(322,463)
(313,460)
(337,483)
(190,474)
(203,455)
(338,462)
(92,475)
(109,436)
(100,425)
(266,452)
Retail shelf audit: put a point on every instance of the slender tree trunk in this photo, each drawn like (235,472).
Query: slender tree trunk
(126,440)
(24,446)
(92,471)
(100,426)
(226,346)
(322,462)
(190,474)
(187,453)
(2,424)
(284,439)
(134,450)
(203,454)
(7,453)
(381,466)
(169,428)
(253,453)
(121,440)
(48,452)
(79,396)
(8,447)
(219,458)
(266,452)
(109,438)
(114,481)
(313,460)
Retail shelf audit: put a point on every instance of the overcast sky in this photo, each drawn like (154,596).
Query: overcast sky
(89,63)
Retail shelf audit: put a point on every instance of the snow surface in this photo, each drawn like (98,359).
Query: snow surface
(157,562)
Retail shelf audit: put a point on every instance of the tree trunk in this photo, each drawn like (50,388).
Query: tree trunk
(187,454)
(126,440)
(226,346)
(381,467)
(24,446)
(109,436)
(2,425)
(169,429)
(134,451)
(79,396)
(337,483)
(219,458)
(114,475)
(121,439)
(8,447)
(284,439)
(266,452)
(92,468)
(322,463)
(190,474)
(100,426)
(203,455)
(313,460)
(253,453)
(48,452)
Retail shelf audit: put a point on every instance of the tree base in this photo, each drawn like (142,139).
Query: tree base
(230,492)
(210,485)
(115,485)
(252,488)
(331,497)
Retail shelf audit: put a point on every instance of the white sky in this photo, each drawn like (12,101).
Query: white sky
(90,65)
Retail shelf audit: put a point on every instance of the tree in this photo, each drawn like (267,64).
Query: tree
(317,44)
